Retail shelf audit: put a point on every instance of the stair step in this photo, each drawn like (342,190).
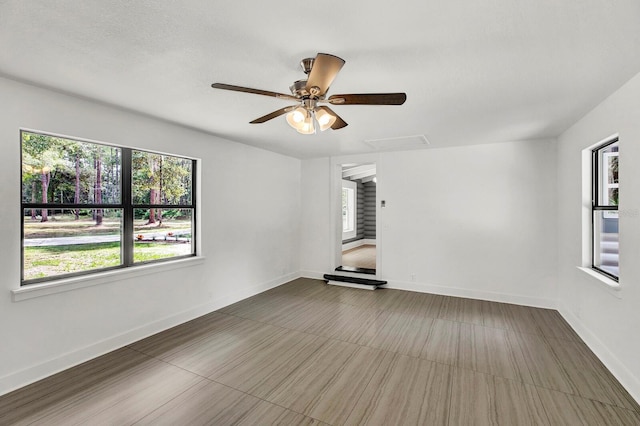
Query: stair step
(352,285)
(356,270)
(354,280)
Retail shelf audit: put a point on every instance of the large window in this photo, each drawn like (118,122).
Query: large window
(89,207)
(605,247)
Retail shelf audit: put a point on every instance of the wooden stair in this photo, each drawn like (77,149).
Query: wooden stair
(353,282)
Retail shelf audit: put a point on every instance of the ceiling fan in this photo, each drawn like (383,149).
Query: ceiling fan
(309,93)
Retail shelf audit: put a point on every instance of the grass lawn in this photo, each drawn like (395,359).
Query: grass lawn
(67,226)
(47,261)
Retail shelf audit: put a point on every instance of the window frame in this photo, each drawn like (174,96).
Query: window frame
(353,187)
(596,204)
(126,205)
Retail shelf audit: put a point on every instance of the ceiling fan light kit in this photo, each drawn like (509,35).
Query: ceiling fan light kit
(306,115)
(306,121)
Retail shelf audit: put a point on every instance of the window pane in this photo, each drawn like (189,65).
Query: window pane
(345,212)
(169,236)
(608,175)
(70,241)
(57,170)
(605,240)
(612,196)
(348,209)
(161,179)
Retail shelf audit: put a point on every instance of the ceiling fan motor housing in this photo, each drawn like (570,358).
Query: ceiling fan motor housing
(299,88)
(307,64)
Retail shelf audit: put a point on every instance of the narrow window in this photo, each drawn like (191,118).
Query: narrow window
(90,207)
(348,209)
(605,192)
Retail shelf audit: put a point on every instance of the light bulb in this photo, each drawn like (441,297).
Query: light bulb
(325,119)
(307,127)
(296,117)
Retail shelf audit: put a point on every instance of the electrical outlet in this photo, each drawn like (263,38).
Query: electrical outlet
(413,277)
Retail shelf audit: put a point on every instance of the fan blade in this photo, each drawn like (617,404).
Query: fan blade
(369,99)
(324,71)
(340,123)
(274,114)
(254,91)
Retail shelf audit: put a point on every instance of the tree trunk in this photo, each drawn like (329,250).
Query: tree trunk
(98,188)
(76,197)
(45,178)
(33,199)
(152,200)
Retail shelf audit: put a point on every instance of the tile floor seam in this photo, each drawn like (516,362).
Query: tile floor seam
(311,354)
(174,365)
(578,396)
(433,361)
(267,401)
(394,352)
(541,334)
(544,408)
(328,340)
(53,391)
(364,387)
(450,396)
(344,365)
(191,343)
(41,416)
(167,402)
(381,311)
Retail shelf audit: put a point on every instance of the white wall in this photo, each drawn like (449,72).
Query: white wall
(250,208)
(474,221)
(316,237)
(607,320)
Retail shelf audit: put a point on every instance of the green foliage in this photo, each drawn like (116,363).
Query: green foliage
(168,176)
(58,159)
(613,178)
(40,262)
(64,259)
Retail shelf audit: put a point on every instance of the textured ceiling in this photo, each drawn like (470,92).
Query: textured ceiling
(474,71)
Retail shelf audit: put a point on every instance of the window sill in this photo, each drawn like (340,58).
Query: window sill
(69,284)
(612,286)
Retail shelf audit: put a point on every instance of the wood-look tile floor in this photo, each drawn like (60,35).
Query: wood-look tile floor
(310,353)
(360,257)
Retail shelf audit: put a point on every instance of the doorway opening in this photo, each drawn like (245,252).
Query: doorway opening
(358,219)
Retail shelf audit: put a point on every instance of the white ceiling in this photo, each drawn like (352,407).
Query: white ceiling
(364,172)
(474,71)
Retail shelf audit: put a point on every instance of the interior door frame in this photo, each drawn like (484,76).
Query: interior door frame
(336,207)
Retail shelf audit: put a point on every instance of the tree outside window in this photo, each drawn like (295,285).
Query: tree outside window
(89,206)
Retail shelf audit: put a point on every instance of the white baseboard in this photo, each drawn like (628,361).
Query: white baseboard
(351,285)
(617,368)
(358,243)
(537,302)
(314,275)
(32,374)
